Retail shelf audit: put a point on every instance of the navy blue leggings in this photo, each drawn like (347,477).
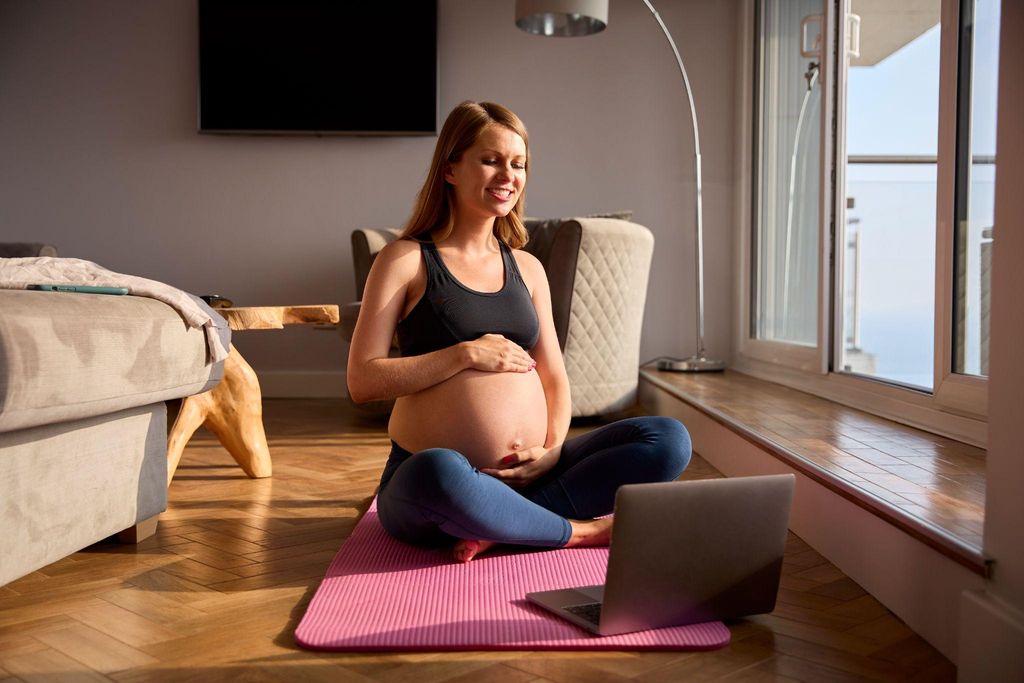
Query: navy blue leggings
(435,496)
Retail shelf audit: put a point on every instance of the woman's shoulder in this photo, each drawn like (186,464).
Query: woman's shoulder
(525,259)
(402,255)
(404,247)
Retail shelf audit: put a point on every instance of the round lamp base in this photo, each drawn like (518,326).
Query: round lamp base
(695,363)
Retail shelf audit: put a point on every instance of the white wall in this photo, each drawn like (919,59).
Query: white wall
(992,621)
(100,157)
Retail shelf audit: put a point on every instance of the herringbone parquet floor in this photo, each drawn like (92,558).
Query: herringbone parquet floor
(217,593)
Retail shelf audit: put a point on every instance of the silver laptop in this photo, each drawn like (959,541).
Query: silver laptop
(685,552)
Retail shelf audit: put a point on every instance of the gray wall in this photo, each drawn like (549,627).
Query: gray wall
(100,157)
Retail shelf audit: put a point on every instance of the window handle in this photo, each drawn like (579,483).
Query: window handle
(853,35)
(814,49)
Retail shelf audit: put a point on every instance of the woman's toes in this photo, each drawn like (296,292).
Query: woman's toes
(466,549)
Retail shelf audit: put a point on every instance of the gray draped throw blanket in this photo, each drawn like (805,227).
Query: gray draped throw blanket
(19,273)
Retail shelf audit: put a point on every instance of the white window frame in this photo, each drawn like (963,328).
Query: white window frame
(958,406)
(810,359)
(956,392)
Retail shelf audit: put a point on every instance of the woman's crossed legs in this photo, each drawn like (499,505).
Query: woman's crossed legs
(435,497)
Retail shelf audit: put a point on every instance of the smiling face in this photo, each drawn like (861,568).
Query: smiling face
(489,178)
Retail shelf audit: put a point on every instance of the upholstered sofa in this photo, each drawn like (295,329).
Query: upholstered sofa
(597,269)
(83,436)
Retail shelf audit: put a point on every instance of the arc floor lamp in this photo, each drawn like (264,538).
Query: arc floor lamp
(583,18)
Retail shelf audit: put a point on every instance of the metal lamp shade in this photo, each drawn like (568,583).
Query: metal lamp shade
(562,17)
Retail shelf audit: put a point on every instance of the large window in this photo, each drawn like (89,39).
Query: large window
(873,186)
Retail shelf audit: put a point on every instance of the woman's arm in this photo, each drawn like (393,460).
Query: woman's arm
(372,375)
(547,352)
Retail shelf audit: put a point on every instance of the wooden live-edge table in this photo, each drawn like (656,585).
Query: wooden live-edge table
(233,410)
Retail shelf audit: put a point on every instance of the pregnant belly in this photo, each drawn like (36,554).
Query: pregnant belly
(483,415)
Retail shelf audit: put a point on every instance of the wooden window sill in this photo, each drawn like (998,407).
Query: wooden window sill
(929,486)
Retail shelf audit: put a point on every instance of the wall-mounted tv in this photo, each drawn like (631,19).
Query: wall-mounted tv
(321,67)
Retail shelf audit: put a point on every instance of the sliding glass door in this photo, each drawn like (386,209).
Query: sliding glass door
(889,159)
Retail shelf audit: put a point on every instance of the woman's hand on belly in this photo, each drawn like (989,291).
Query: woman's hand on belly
(483,415)
(526,466)
(495,353)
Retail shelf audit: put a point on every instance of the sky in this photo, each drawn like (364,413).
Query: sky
(892,108)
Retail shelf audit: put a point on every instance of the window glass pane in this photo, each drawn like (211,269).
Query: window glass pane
(786,244)
(891,146)
(976,177)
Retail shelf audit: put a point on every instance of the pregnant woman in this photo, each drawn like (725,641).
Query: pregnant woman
(479,454)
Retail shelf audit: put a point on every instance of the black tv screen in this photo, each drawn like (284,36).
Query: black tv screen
(318,67)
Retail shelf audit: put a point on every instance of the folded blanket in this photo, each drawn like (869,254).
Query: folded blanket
(19,273)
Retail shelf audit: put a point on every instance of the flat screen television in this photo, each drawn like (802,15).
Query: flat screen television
(320,67)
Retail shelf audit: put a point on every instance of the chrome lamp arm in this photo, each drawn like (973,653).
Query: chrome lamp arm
(584,17)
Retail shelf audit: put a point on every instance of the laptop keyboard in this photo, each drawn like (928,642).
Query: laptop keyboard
(590,612)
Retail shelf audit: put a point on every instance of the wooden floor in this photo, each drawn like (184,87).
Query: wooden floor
(216,595)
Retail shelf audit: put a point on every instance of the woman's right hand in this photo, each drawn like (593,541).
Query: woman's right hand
(495,353)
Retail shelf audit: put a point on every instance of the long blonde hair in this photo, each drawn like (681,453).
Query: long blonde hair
(462,128)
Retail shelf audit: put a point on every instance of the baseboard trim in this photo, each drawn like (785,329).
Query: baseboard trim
(991,639)
(303,383)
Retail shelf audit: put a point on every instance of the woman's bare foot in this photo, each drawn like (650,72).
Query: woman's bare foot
(466,549)
(590,532)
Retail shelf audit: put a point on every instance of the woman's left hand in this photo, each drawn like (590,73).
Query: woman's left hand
(525,466)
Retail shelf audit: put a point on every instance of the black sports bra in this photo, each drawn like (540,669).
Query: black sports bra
(449,312)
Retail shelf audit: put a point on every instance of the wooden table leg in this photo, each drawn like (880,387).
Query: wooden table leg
(233,411)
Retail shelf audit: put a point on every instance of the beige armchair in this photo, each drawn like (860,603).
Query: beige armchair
(26,249)
(597,269)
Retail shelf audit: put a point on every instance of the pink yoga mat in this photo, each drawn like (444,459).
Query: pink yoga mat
(381,594)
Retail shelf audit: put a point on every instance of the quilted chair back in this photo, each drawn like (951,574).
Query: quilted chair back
(598,270)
